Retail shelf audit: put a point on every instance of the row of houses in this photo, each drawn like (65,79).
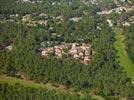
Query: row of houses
(32,1)
(118,10)
(78,51)
(28,18)
(42,19)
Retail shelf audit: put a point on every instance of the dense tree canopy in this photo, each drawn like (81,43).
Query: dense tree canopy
(103,75)
(129,33)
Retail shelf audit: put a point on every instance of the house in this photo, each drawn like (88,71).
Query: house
(26,17)
(9,47)
(73,51)
(50,49)
(30,1)
(126,24)
(132,82)
(43,15)
(53,3)
(86,59)
(76,56)
(74,45)
(59,3)
(44,53)
(75,19)
(26,0)
(58,51)
(17,15)
(47,51)
(59,35)
(98,27)
(87,53)
(81,55)
(82,47)
(14,15)
(104,12)
(60,18)
(54,34)
(42,22)
(110,22)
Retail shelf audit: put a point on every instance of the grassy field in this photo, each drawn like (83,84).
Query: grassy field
(48,86)
(29,83)
(123,57)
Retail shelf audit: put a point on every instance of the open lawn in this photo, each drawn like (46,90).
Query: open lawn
(122,55)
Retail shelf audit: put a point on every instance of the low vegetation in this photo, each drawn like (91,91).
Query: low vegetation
(122,55)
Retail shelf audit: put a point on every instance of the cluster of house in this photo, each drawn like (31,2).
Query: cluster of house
(81,51)
(4,19)
(31,22)
(42,19)
(118,10)
(129,21)
(14,15)
(7,47)
(96,2)
(124,23)
(32,1)
(75,19)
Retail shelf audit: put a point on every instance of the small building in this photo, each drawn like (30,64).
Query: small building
(74,45)
(26,0)
(58,51)
(54,34)
(126,24)
(76,56)
(44,53)
(81,55)
(50,50)
(110,22)
(53,3)
(42,22)
(26,17)
(43,15)
(73,51)
(60,18)
(87,52)
(9,47)
(75,19)
(86,59)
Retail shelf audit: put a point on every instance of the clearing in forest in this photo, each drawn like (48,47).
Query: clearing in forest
(123,57)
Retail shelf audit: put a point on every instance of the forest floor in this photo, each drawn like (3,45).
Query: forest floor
(48,86)
(122,55)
